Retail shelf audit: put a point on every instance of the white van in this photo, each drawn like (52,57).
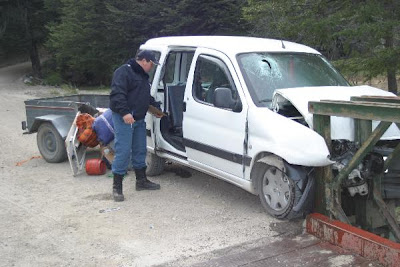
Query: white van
(237,110)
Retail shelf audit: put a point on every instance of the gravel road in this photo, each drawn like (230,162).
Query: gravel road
(50,218)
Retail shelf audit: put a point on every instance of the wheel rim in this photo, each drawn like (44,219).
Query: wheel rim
(49,142)
(276,189)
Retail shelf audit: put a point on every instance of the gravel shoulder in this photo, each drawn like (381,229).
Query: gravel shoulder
(50,218)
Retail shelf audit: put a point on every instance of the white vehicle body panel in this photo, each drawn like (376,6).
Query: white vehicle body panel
(297,144)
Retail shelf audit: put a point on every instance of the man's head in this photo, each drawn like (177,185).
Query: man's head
(146,59)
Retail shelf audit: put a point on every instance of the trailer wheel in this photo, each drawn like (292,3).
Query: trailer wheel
(51,144)
(278,193)
(155,164)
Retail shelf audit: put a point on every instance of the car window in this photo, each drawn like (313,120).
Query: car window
(265,72)
(177,67)
(211,73)
(170,68)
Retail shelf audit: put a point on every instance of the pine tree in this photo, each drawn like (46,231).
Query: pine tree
(188,17)
(77,42)
(22,28)
(95,36)
(363,34)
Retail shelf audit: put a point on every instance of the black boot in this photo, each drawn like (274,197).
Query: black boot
(117,188)
(142,183)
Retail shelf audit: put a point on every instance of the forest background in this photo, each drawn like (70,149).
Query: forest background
(81,42)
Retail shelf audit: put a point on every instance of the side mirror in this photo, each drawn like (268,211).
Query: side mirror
(223,99)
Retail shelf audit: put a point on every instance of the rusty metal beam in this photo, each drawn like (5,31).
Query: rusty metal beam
(354,239)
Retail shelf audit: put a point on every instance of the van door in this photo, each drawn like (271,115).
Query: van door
(153,79)
(173,82)
(214,137)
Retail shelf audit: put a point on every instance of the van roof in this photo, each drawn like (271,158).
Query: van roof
(232,44)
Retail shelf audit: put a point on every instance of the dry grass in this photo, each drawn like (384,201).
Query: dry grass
(378,82)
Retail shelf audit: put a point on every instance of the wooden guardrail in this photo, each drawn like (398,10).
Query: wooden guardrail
(363,110)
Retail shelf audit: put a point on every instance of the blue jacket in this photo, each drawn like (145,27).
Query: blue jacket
(130,91)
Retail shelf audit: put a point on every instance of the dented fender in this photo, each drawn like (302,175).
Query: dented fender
(295,143)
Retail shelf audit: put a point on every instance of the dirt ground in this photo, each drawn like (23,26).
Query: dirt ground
(50,218)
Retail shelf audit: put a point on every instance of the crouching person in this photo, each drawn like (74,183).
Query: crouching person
(129,101)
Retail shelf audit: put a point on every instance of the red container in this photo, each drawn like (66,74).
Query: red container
(95,167)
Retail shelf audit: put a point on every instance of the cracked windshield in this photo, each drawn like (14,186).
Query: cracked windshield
(266,72)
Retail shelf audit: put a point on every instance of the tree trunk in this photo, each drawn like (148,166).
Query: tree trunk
(33,50)
(34,55)
(392,65)
(392,82)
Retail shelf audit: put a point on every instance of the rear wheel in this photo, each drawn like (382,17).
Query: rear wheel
(51,145)
(278,193)
(155,164)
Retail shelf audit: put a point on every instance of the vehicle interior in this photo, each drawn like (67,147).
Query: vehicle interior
(174,78)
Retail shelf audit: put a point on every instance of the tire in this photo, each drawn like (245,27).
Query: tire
(278,193)
(51,145)
(155,164)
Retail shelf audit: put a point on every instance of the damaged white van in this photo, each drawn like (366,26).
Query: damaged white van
(236,109)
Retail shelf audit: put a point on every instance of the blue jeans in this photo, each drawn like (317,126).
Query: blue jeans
(129,144)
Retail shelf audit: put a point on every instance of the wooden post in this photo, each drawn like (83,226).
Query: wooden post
(362,129)
(323,175)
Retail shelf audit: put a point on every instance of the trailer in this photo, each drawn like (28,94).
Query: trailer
(52,119)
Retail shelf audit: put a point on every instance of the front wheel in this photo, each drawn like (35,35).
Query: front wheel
(155,164)
(280,195)
(51,145)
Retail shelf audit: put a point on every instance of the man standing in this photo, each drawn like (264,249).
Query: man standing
(129,101)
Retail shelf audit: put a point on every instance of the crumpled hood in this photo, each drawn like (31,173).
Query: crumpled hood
(299,97)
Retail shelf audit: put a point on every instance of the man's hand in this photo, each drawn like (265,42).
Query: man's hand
(128,119)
